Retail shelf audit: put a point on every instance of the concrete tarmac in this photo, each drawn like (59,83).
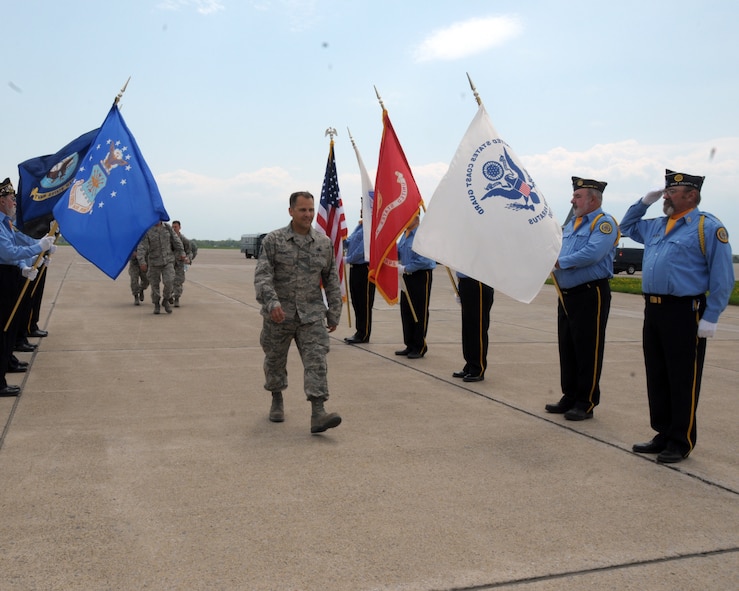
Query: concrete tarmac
(139,454)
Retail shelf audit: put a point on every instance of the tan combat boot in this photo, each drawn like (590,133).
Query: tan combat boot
(167,307)
(277,410)
(320,420)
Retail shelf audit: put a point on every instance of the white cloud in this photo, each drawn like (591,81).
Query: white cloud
(201,6)
(467,38)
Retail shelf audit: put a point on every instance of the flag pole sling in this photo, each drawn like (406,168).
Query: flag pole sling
(52,232)
(454,283)
(410,303)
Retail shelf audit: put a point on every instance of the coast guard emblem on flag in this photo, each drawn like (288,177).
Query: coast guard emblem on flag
(509,181)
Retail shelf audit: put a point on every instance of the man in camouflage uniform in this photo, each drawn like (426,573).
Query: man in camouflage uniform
(180,266)
(294,262)
(139,279)
(157,252)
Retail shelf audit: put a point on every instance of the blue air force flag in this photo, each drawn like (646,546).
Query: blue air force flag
(488,219)
(112,201)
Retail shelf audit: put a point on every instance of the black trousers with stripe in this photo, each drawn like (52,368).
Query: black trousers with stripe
(581,331)
(418,288)
(476,300)
(362,292)
(673,356)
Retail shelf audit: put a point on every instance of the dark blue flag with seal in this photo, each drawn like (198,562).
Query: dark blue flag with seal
(43,180)
(112,201)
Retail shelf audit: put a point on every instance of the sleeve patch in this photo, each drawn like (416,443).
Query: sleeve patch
(606,228)
(722,235)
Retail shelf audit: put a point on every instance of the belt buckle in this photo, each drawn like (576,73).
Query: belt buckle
(655,300)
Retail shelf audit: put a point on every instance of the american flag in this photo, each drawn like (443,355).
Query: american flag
(331,220)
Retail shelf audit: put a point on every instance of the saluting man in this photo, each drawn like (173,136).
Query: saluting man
(582,271)
(687,278)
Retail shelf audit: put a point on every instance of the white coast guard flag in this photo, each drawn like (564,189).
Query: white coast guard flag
(488,219)
(368,196)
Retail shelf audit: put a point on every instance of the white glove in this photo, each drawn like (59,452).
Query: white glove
(29,273)
(52,249)
(652,197)
(46,243)
(47,261)
(706,329)
(458,299)
(401,281)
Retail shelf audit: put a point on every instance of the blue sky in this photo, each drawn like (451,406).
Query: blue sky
(229,100)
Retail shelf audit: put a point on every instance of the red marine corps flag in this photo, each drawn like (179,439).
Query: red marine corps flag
(397,201)
(330,219)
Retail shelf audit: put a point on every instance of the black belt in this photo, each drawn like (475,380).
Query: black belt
(654,298)
(584,287)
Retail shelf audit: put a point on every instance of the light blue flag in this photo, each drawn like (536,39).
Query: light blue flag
(112,201)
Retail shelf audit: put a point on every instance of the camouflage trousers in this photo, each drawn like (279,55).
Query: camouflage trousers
(166,275)
(313,344)
(179,278)
(139,280)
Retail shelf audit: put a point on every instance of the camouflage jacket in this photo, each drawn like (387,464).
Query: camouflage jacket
(290,272)
(160,246)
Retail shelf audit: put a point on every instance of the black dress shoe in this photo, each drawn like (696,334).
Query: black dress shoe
(460,374)
(403,351)
(669,456)
(354,340)
(415,355)
(471,378)
(561,407)
(650,447)
(18,369)
(24,348)
(38,333)
(10,391)
(578,414)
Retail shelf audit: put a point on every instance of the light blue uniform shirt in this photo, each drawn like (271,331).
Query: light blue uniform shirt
(355,247)
(15,247)
(587,255)
(674,264)
(410,259)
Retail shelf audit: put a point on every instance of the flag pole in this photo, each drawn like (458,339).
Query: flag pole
(52,232)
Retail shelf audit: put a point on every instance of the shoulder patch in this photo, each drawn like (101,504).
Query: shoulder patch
(722,235)
(606,228)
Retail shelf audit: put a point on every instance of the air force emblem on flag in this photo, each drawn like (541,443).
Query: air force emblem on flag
(502,177)
(84,192)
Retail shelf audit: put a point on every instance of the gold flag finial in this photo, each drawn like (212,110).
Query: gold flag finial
(378,98)
(474,90)
(331,131)
(120,94)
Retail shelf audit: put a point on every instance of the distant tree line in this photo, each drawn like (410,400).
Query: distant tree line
(230,243)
